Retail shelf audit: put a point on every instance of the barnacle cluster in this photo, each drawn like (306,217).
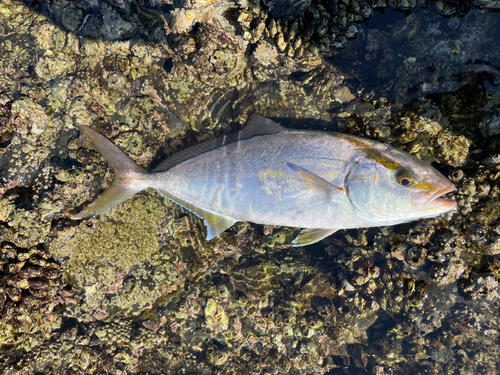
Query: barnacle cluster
(29,293)
(218,60)
(296,28)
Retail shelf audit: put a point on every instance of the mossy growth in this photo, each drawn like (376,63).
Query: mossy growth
(104,250)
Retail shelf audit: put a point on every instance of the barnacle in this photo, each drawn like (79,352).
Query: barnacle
(29,283)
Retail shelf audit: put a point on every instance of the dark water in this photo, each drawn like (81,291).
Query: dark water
(410,55)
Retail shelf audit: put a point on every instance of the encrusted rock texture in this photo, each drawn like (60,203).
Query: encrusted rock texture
(138,290)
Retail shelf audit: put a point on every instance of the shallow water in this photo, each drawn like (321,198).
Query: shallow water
(139,289)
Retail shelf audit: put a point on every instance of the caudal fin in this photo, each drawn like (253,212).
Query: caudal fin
(129,177)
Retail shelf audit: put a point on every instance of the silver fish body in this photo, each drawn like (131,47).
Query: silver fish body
(252,180)
(267,174)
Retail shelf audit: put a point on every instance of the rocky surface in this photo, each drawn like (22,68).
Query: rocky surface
(139,289)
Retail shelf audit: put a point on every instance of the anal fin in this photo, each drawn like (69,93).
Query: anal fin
(310,236)
(216,224)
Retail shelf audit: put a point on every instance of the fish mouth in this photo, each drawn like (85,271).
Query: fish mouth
(435,200)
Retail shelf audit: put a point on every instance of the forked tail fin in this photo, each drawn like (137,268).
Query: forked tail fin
(130,178)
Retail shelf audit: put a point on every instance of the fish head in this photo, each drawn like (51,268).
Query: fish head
(389,186)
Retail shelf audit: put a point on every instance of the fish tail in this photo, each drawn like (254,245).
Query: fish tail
(130,178)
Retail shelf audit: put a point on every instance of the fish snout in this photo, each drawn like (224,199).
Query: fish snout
(436,202)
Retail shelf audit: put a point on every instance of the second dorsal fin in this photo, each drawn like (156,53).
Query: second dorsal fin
(256,125)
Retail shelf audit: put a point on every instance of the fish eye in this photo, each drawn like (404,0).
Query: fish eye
(405,178)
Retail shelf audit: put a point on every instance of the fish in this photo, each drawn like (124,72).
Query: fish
(318,181)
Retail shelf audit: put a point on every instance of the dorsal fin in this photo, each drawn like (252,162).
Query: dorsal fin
(256,125)
(259,125)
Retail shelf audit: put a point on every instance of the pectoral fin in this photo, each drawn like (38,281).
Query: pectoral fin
(316,183)
(216,224)
(310,236)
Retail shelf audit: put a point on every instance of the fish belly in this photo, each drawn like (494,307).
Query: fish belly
(251,180)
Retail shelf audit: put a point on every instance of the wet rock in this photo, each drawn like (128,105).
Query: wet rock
(143,290)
